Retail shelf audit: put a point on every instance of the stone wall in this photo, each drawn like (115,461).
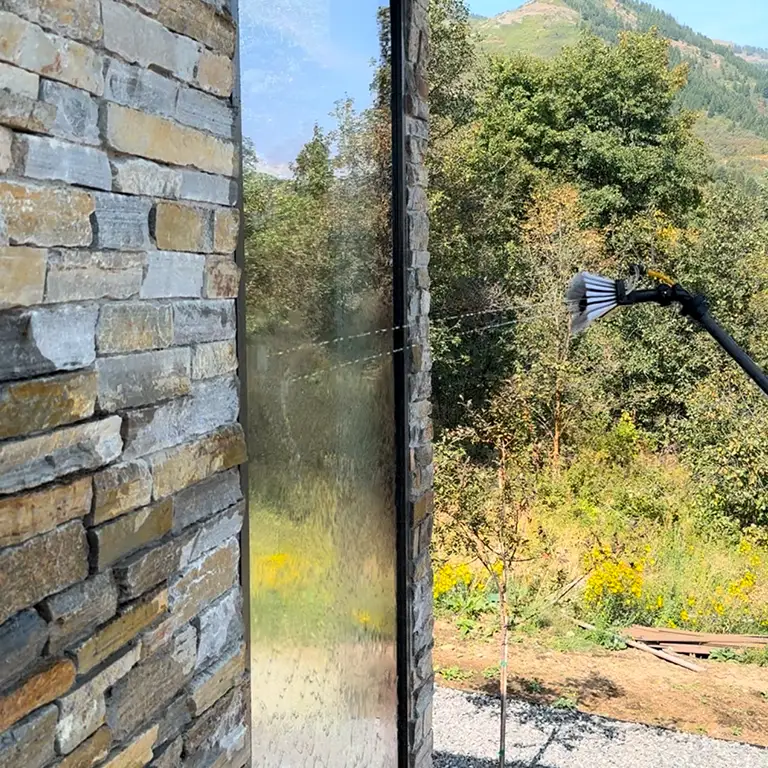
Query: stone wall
(422,472)
(121,632)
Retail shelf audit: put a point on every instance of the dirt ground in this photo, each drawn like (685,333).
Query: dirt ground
(726,701)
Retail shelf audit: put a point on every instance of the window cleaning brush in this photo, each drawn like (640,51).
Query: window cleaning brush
(590,297)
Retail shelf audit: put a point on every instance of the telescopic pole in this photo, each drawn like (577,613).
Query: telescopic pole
(696,308)
(735,351)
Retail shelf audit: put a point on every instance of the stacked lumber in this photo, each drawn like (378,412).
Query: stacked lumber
(692,643)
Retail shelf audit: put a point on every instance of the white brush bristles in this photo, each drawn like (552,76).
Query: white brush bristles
(589,297)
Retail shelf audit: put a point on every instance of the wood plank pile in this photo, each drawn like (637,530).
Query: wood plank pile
(692,643)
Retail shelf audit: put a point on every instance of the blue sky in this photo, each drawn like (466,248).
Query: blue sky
(297,58)
(740,21)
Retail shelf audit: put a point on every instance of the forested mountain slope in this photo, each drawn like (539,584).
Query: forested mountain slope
(728,83)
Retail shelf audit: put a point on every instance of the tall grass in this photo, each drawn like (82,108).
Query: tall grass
(633,525)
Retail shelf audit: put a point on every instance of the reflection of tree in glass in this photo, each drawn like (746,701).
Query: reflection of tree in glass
(318,267)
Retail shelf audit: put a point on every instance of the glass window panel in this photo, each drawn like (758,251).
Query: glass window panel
(317,194)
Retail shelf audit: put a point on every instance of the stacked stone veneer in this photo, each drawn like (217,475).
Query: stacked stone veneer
(421,680)
(121,631)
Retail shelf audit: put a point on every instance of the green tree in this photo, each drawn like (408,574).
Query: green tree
(601,116)
(312,170)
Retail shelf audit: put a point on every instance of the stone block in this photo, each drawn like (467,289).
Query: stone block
(30,743)
(203,581)
(38,341)
(140,89)
(121,222)
(213,403)
(213,731)
(217,530)
(41,688)
(200,21)
(91,752)
(215,73)
(128,381)
(43,404)
(78,19)
(226,230)
(160,635)
(156,138)
(172,274)
(25,114)
(134,176)
(19,81)
(26,45)
(46,216)
(197,322)
(53,159)
(178,468)
(82,712)
(30,514)
(23,271)
(74,613)
(86,275)
(175,719)
(207,188)
(77,113)
(146,569)
(41,459)
(180,227)
(150,6)
(150,686)
(204,499)
(208,686)
(215,359)
(222,278)
(418,230)
(22,639)
(144,41)
(6,158)
(126,534)
(119,489)
(41,566)
(205,112)
(138,753)
(219,626)
(134,327)
(169,756)
(422,507)
(110,638)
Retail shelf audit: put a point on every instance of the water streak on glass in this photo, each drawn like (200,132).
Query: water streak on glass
(317,187)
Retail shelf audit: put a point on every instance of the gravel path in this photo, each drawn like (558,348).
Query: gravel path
(466,736)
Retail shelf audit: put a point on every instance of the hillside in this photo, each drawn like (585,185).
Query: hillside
(728,83)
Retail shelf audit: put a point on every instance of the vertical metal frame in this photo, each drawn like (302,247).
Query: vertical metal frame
(401,367)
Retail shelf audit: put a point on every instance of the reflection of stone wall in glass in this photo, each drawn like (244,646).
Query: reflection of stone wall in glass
(121,631)
(420,597)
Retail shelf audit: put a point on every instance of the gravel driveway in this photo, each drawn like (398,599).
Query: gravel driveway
(466,736)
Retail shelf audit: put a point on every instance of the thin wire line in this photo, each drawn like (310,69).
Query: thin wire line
(435,322)
(337,340)
(388,353)
(346,364)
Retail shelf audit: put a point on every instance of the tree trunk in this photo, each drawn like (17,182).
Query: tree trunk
(503,665)
(556,433)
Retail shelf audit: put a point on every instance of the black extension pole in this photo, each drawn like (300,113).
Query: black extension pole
(696,308)
(734,350)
